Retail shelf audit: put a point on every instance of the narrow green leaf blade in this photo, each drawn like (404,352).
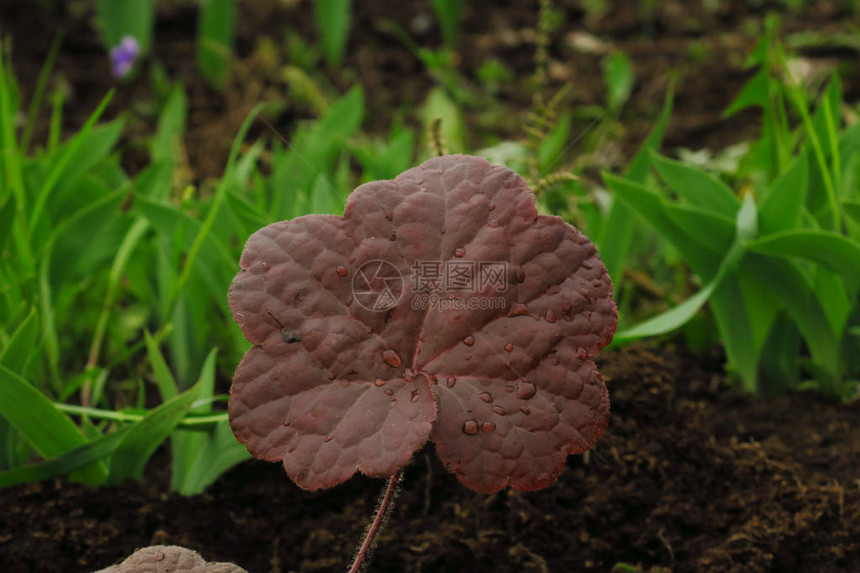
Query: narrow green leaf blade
(142,439)
(697,187)
(21,345)
(333,20)
(617,234)
(834,251)
(215,37)
(64,464)
(31,413)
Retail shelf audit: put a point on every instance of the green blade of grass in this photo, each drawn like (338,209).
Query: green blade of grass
(698,188)
(333,19)
(142,439)
(222,452)
(48,430)
(39,93)
(63,161)
(833,250)
(167,387)
(215,37)
(651,206)
(188,446)
(127,18)
(617,234)
(123,254)
(780,203)
(711,231)
(16,353)
(67,463)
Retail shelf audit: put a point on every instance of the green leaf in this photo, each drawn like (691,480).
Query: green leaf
(171,127)
(221,452)
(786,281)
(439,105)
(126,18)
(552,147)
(852,209)
(696,187)
(681,314)
(780,204)
(671,319)
(836,252)
(651,206)
(64,161)
(16,353)
(756,92)
(188,446)
(164,379)
(142,439)
(713,232)
(69,462)
(449,13)
(736,332)
(7,219)
(617,233)
(618,77)
(333,20)
(831,293)
(216,34)
(49,431)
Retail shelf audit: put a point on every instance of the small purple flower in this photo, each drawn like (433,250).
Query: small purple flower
(122,57)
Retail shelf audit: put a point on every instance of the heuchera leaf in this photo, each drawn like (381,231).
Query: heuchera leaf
(500,376)
(170,559)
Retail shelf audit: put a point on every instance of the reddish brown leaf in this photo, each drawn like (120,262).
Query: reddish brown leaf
(505,384)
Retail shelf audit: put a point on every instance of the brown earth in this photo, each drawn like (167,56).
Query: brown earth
(690,476)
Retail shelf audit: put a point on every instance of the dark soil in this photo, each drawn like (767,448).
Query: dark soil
(690,476)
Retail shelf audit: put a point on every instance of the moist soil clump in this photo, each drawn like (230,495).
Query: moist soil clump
(690,476)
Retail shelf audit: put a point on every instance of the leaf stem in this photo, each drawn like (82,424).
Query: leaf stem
(382,510)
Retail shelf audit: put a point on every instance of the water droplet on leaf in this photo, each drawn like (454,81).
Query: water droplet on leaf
(525,409)
(391,358)
(328,439)
(499,410)
(389,392)
(493,224)
(550,316)
(379,382)
(488,426)
(525,390)
(286,423)
(469,340)
(341,271)
(519,309)
(459,252)
(470,427)
(450,381)
(486,397)
(509,347)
